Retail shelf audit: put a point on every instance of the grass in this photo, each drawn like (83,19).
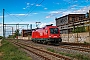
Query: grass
(10,52)
(77,56)
(52,50)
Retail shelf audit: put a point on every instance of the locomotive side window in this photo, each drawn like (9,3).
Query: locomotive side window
(54,30)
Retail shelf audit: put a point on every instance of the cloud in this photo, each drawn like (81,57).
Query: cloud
(24,8)
(44,24)
(57,3)
(27,6)
(45,8)
(35,13)
(32,4)
(75,5)
(53,13)
(82,10)
(1,16)
(1,31)
(1,24)
(28,3)
(38,5)
(19,14)
(65,13)
(48,16)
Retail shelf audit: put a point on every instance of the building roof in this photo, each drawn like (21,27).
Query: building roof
(68,15)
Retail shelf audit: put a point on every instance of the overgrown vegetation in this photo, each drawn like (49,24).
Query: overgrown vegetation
(77,56)
(1,37)
(15,34)
(10,52)
(79,29)
(52,50)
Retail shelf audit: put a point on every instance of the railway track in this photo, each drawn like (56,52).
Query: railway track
(65,48)
(74,46)
(78,48)
(42,53)
(77,44)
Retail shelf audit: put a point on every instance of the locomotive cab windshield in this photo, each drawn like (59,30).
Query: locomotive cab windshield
(54,30)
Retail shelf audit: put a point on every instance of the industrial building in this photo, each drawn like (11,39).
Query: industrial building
(67,23)
(26,33)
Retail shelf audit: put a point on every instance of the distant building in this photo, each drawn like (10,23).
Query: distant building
(67,23)
(26,33)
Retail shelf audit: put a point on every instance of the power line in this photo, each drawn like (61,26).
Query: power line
(33,10)
(32,6)
(26,13)
(12,15)
(16,16)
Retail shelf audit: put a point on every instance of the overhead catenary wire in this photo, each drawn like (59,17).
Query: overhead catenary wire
(12,15)
(31,7)
(26,13)
(18,17)
(32,10)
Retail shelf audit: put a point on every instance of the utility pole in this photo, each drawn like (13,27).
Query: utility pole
(3,26)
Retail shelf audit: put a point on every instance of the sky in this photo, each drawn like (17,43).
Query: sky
(44,11)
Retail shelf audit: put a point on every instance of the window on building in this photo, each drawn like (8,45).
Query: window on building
(73,19)
(80,18)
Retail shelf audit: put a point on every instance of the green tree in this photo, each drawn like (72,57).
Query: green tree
(17,33)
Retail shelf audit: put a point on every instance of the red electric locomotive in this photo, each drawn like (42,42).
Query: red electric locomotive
(47,34)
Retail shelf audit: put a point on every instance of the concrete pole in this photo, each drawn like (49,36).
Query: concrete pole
(3,26)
